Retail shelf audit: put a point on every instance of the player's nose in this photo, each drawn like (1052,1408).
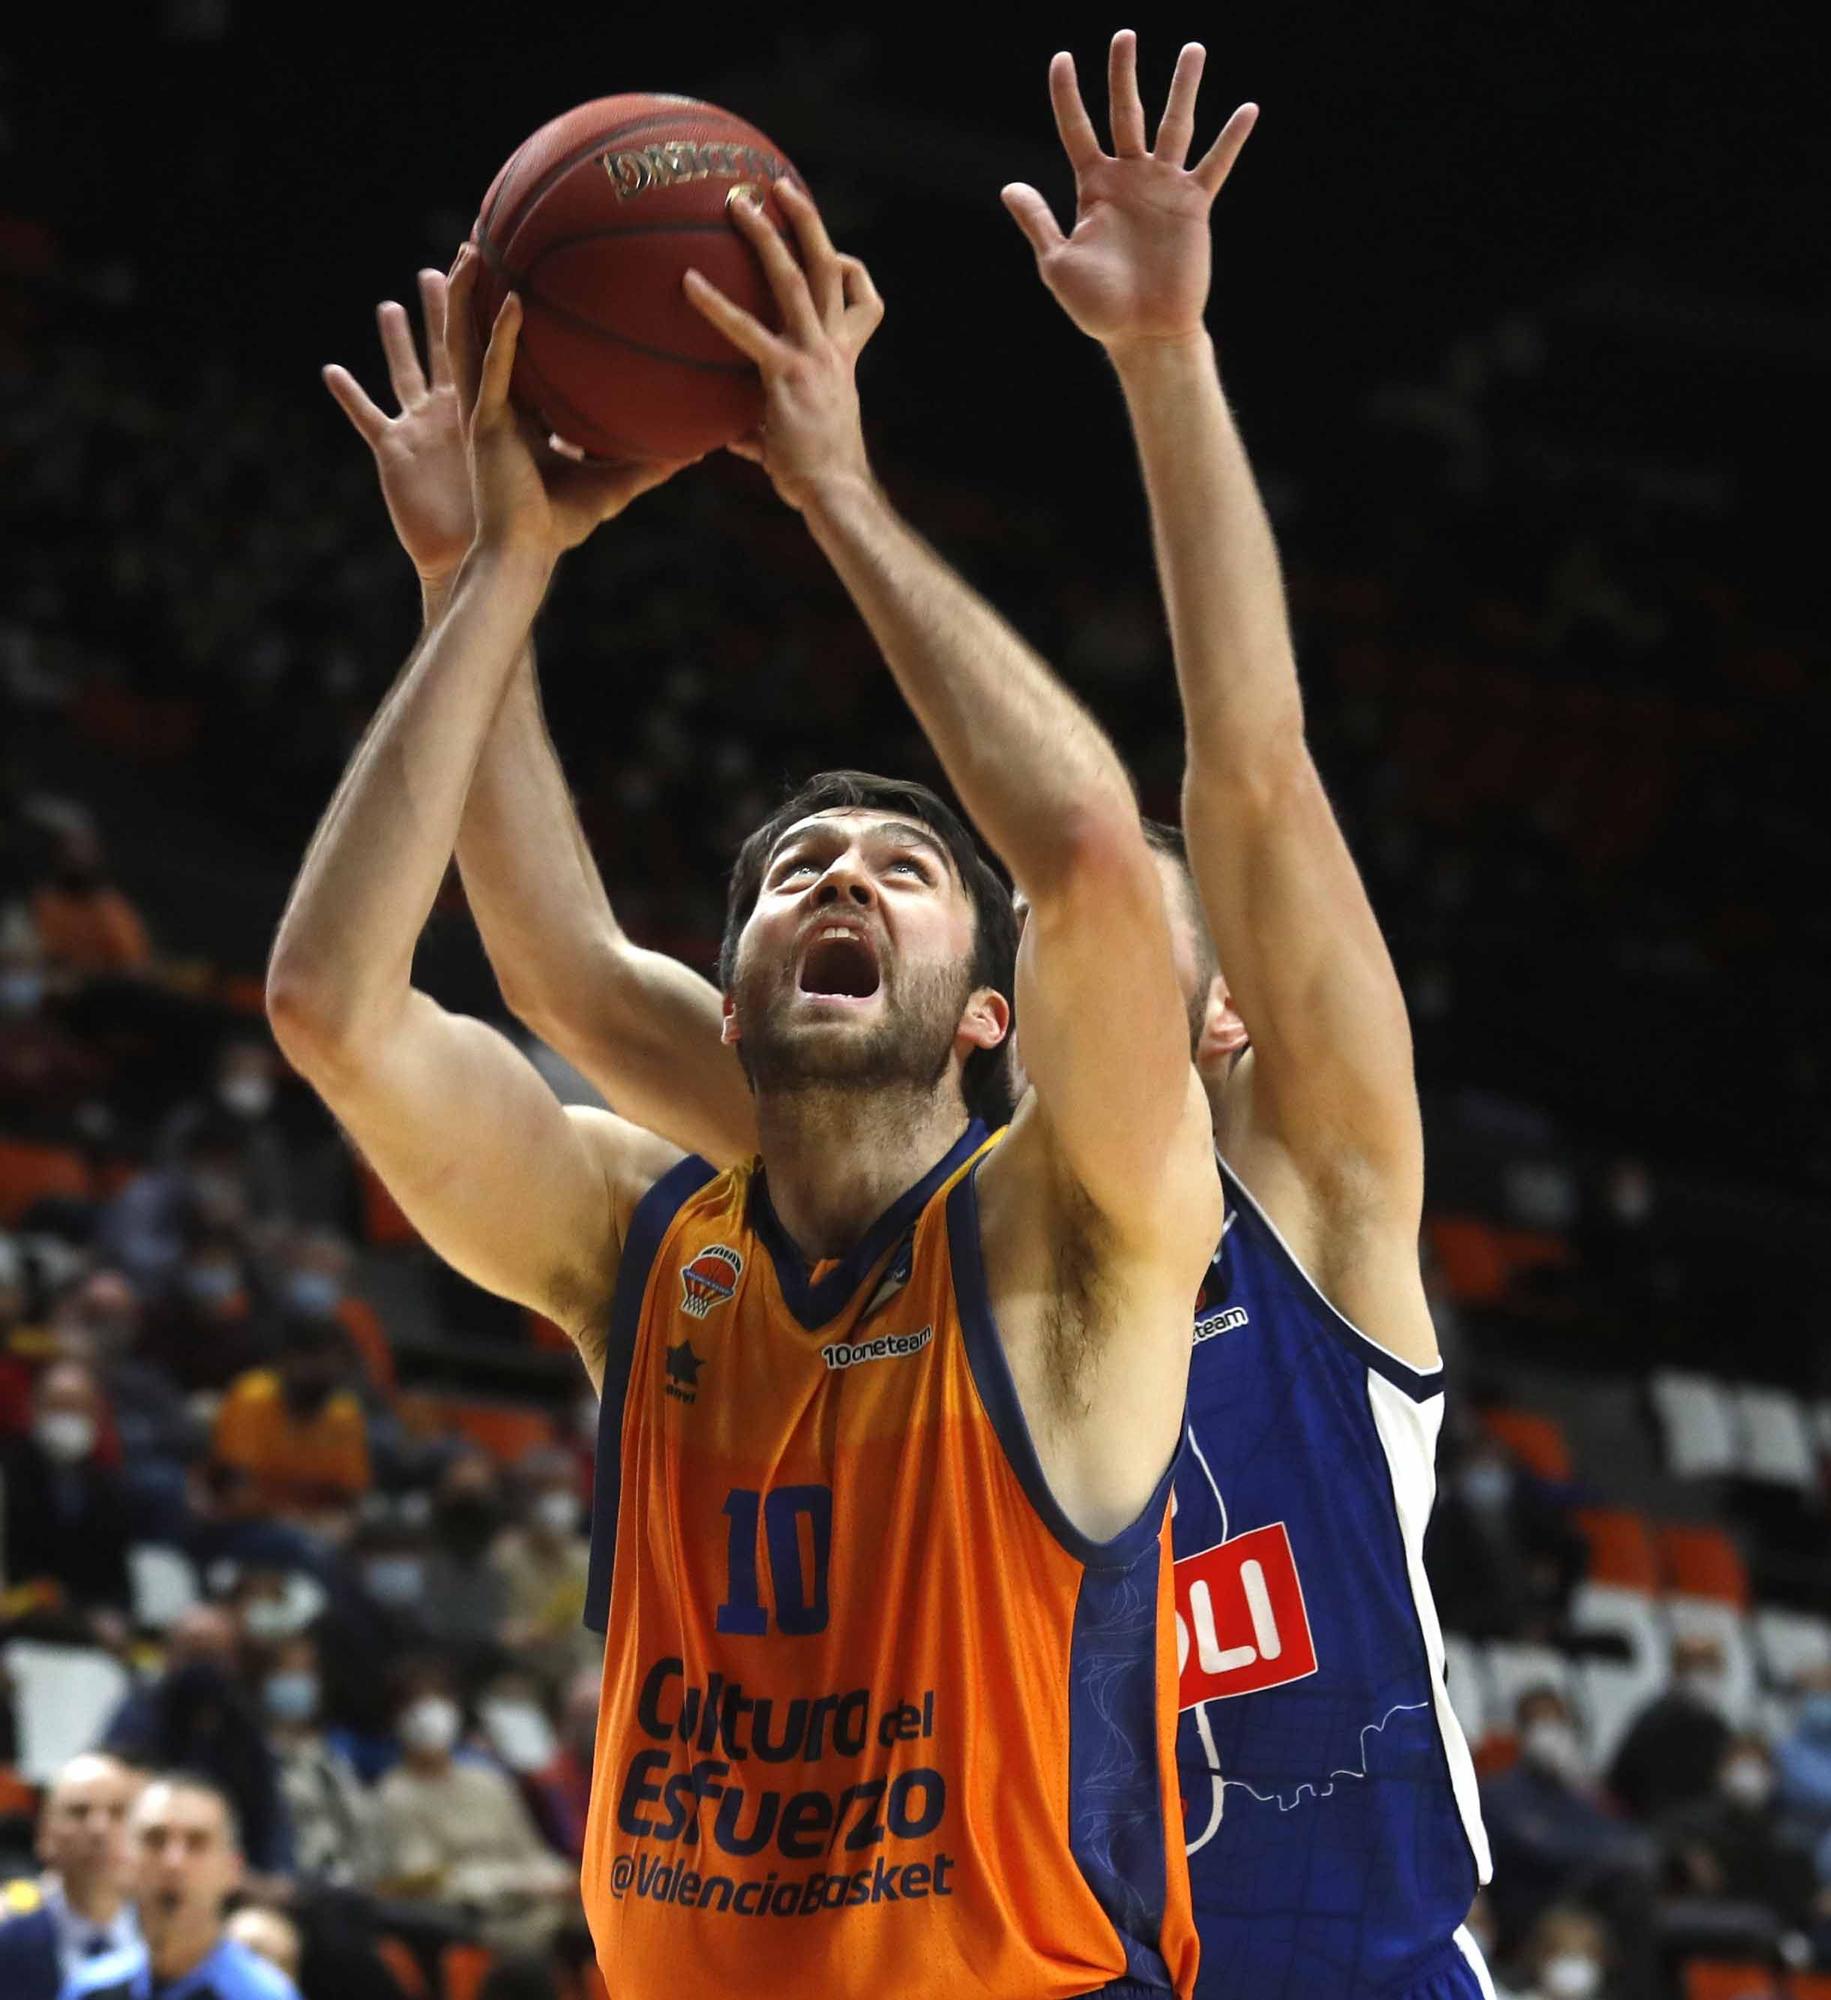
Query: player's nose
(845,881)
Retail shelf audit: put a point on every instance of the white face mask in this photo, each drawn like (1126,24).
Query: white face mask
(247,1094)
(1571,1976)
(557,1512)
(1749,1781)
(1552,1744)
(65,1436)
(431,1724)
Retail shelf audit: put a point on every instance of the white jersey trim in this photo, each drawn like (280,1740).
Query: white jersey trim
(1408,1435)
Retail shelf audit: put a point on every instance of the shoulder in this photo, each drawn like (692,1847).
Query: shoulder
(251,1977)
(114,1974)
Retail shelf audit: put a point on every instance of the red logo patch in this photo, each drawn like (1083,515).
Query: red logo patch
(1241,1624)
(710,1279)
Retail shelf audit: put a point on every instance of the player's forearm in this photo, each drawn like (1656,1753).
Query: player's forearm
(344,953)
(1032,768)
(1217,562)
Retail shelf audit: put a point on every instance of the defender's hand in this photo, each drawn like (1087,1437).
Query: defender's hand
(1136,266)
(526,496)
(812,432)
(419,453)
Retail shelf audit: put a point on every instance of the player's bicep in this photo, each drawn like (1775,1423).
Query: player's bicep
(1104,1039)
(518,1193)
(1304,958)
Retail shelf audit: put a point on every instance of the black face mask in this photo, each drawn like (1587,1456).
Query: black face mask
(467,1523)
(306,1395)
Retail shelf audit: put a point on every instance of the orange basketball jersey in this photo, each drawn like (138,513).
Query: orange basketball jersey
(876,1720)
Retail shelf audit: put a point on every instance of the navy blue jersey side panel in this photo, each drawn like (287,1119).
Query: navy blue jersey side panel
(1327,1847)
(654,1212)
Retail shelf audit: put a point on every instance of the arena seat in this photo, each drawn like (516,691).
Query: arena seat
(63,1697)
(1465,1679)
(1698,1423)
(1776,1438)
(463,1968)
(1611,1692)
(163,1583)
(1537,1441)
(505,1430)
(1703,1562)
(403,1964)
(1622,1553)
(31,1172)
(1808,1986)
(1514,1665)
(1728,1979)
(383,1225)
(1790,1643)
(1479,1262)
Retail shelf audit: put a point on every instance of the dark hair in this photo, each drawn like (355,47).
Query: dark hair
(182,1778)
(986,1081)
(1162,838)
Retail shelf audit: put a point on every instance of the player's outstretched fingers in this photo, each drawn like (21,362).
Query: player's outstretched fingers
(1124,105)
(499,362)
(1177,126)
(1216,163)
(820,261)
(460,329)
(864,305)
(432,317)
(1079,140)
(1033,216)
(786,278)
(405,375)
(353,400)
(746,333)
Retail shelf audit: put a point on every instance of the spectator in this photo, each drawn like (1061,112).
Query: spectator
(1502,1555)
(187,1863)
(270,1934)
(314,1277)
(1803,1759)
(1567,1957)
(542,1561)
(457,1832)
(156,1223)
(99,1320)
(1733,1846)
(466,1598)
(240,1108)
(296,1433)
(561,1794)
(66,1520)
(333,1819)
(81,1900)
(86,923)
(204,1329)
(43,1067)
(1671,1755)
(1550,1834)
(195,1716)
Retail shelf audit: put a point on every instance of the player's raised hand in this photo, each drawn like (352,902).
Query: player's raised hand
(1136,265)
(525,495)
(812,431)
(419,452)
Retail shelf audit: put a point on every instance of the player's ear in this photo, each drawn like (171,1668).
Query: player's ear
(1223,1033)
(987,1019)
(728,1030)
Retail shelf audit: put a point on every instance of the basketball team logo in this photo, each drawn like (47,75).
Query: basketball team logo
(710,1280)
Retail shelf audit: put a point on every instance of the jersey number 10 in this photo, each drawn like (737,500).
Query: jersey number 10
(798,1587)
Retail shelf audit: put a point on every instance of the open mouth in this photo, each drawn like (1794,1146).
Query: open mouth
(839,964)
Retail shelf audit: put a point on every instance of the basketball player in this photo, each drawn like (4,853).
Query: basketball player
(1334,1837)
(890,1413)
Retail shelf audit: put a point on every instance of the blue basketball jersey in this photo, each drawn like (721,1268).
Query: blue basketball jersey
(1334,1835)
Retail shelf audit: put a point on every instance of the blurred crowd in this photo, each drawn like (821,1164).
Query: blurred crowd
(1553,704)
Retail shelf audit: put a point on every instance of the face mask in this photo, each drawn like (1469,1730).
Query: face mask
(1748,1781)
(313,1294)
(21,992)
(395,1580)
(248,1096)
(1552,1745)
(291,1697)
(65,1436)
(557,1512)
(431,1724)
(1571,1976)
(1486,1485)
(270,1618)
(212,1284)
(519,1734)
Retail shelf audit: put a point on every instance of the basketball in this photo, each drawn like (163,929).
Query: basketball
(593,222)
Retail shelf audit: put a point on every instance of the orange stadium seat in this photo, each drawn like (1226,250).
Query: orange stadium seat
(403,1963)
(1537,1441)
(1621,1547)
(463,1968)
(1703,1562)
(18,1799)
(1728,1979)
(31,1172)
(1479,1262)
(383,1224)
(1808,1986)
(505,1430)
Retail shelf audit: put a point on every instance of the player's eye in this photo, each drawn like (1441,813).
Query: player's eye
(910,866)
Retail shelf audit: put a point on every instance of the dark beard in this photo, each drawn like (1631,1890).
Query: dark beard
(910,1048)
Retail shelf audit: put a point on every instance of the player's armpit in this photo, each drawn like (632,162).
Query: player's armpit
(520,1194)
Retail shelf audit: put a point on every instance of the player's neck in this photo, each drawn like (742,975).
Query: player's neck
(182,1949)
(837,1159)
(96,1903)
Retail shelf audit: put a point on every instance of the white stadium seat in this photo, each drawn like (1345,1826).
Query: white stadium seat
(1611,1692)
(164,1584)
(63,1698)
(1466,1679)
(1776,1438)
(1514,1666)
(1699,1424)
(1790,1643)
